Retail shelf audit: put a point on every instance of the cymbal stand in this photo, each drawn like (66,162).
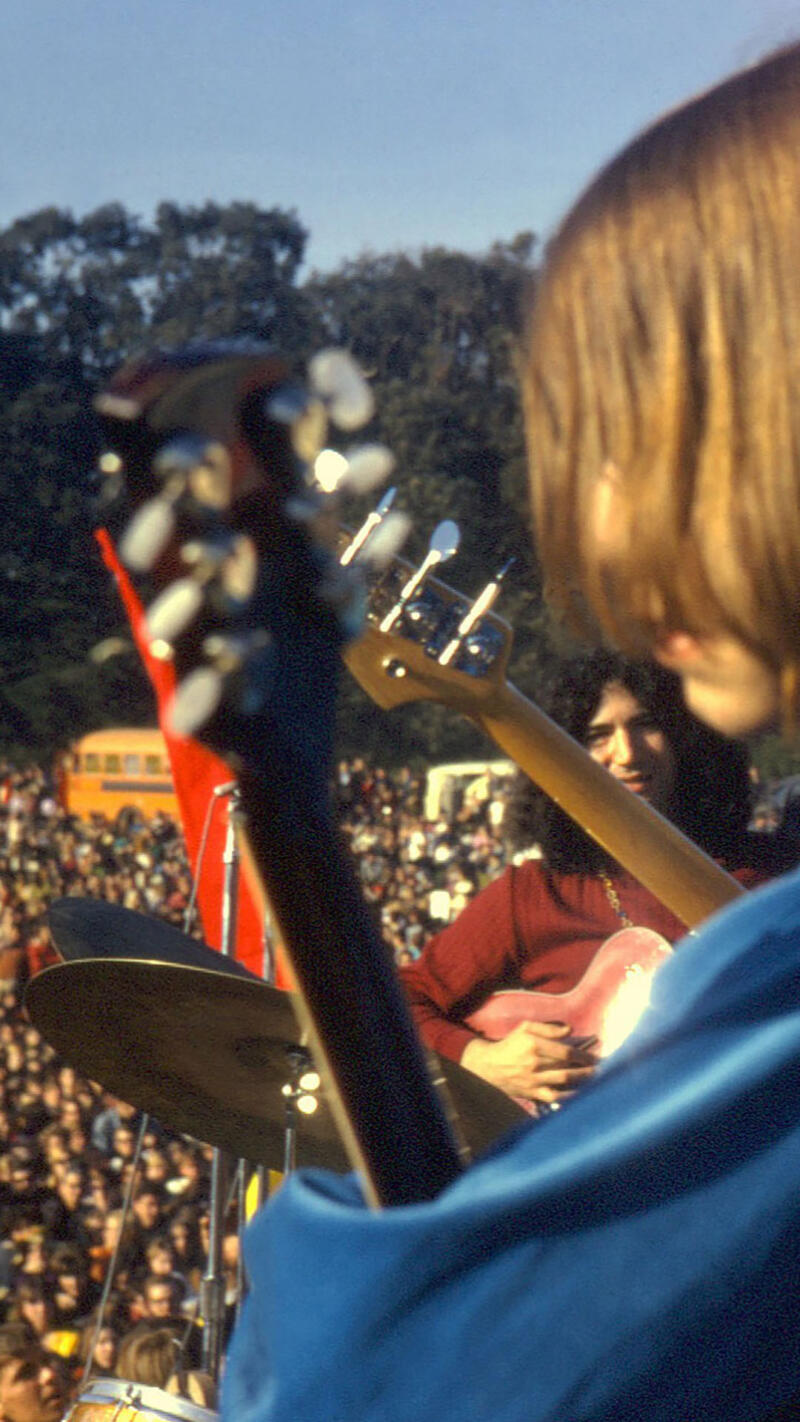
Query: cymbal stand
(212,1287)
(111,1268)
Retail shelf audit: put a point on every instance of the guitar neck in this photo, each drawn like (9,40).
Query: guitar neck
(378,1085)
(396,670)
(680,874)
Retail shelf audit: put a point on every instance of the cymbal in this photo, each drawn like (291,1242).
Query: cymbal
(208,1053)
(92,928)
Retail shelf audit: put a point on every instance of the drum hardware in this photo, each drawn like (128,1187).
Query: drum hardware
(241,1215)
(114,1400)
(300,1096)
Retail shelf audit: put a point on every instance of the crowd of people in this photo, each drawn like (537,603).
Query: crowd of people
(417,871)
(67,1147)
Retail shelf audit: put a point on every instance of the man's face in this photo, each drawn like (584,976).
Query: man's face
(159,1301)
(161,1263)
(21,1178)
(31,1390)
(71,1190)
(68,1292)
(124,1142)
(146,1211)
(70,1115)
(623,736)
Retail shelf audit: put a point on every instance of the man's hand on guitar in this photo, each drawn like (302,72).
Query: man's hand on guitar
(536,1061)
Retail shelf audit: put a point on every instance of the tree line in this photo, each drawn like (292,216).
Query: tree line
(436,334)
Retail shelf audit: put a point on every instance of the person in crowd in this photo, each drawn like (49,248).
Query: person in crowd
(74,1292)
(105,1345)
(147,1210)
(63,1214)
(161,1265)
(32,1385)
(184,1234)
(151,1354)
(161,1297)
(32,1303)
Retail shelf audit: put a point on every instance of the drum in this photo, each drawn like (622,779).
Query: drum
(113,1400)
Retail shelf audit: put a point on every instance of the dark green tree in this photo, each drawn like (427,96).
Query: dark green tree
(76,297)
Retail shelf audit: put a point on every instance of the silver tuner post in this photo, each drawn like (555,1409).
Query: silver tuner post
(480,606)
(368,527)
(444,543)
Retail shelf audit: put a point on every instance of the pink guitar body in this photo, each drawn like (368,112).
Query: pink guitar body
(606,1003)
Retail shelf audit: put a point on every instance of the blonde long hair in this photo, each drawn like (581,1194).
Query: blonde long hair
(662,373)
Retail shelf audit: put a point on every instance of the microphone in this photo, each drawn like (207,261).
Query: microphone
(226,789)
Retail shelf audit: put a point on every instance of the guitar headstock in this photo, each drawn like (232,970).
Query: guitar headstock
(214,450)
(421,656)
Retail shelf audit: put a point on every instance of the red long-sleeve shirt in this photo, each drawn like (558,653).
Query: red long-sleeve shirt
(530,928)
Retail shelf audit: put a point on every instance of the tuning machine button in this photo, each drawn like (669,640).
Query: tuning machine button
(172,612)
(147,534)
(337,380)
(197,466)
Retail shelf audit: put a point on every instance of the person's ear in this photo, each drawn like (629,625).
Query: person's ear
(675,650)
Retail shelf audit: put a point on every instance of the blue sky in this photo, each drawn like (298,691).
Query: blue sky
(384,125)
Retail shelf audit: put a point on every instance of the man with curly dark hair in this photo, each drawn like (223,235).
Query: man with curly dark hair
(540,925)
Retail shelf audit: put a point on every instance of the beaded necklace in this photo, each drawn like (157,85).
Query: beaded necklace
(613,898)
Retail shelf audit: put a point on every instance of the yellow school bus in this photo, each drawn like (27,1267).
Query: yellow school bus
(109,771)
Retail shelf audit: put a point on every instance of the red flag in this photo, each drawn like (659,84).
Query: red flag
(196,772)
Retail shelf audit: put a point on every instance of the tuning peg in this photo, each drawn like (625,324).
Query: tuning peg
(173,610)
(195,701)
(385,542)
(309,431)
(109,464)
(330,470)
(481,605)
(368,467)
(147,534)
(336,378)
(368,527)
(230,558)
(443,544)
(201,466)
(358,472)
(117,407)
(239,571)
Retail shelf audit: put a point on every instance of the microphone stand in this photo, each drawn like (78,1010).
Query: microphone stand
(212,1288)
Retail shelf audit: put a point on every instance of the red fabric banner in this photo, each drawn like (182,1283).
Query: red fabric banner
(196,773)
